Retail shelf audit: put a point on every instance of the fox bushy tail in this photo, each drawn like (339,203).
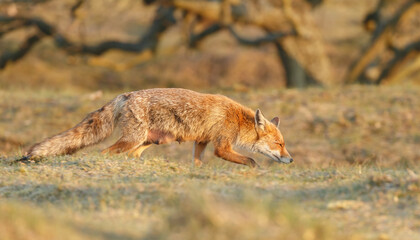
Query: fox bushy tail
(95,127)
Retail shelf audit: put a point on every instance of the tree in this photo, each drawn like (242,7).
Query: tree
(405,59)
(287,24)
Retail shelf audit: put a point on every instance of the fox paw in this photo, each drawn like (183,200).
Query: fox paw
(198,163)
(252,164)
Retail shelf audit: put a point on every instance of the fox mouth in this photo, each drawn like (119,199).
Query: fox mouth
(285,160)
(279,159)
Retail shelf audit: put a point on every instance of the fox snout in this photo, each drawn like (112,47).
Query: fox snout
(285,156)
(286,159)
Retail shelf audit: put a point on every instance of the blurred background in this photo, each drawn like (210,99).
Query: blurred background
(231,44)
(342,74)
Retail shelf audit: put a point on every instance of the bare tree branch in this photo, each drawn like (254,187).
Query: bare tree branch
(164,18)
(74,8)
(400,55)
(11,27)
(25,1)
(373,19)
(379,42)
(195,38)
(23,49)
(271,37)
(43,27)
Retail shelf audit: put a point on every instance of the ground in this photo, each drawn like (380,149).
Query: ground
(355,174)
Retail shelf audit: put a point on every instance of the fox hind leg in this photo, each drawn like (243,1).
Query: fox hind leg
(137,151)
(128,142)
(134,133)
(122,145)
(198,152)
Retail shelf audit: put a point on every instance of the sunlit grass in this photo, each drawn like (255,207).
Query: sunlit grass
(354,175)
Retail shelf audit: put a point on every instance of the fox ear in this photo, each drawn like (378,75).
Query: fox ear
(260,120)
(276,121)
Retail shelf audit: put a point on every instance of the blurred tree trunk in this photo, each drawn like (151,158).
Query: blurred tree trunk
(296,76)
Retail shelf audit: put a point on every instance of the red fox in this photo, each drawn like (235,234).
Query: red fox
(159,116)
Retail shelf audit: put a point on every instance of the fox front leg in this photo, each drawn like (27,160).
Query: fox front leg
(227,153)
(198,152)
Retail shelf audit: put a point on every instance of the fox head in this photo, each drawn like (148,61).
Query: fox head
(270,141)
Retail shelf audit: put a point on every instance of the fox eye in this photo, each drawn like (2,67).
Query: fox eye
(281,145)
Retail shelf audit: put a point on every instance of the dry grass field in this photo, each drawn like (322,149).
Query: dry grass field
(355,174)
(356,149)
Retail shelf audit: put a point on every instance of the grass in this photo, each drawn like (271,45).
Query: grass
(125,198)
(354,175)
